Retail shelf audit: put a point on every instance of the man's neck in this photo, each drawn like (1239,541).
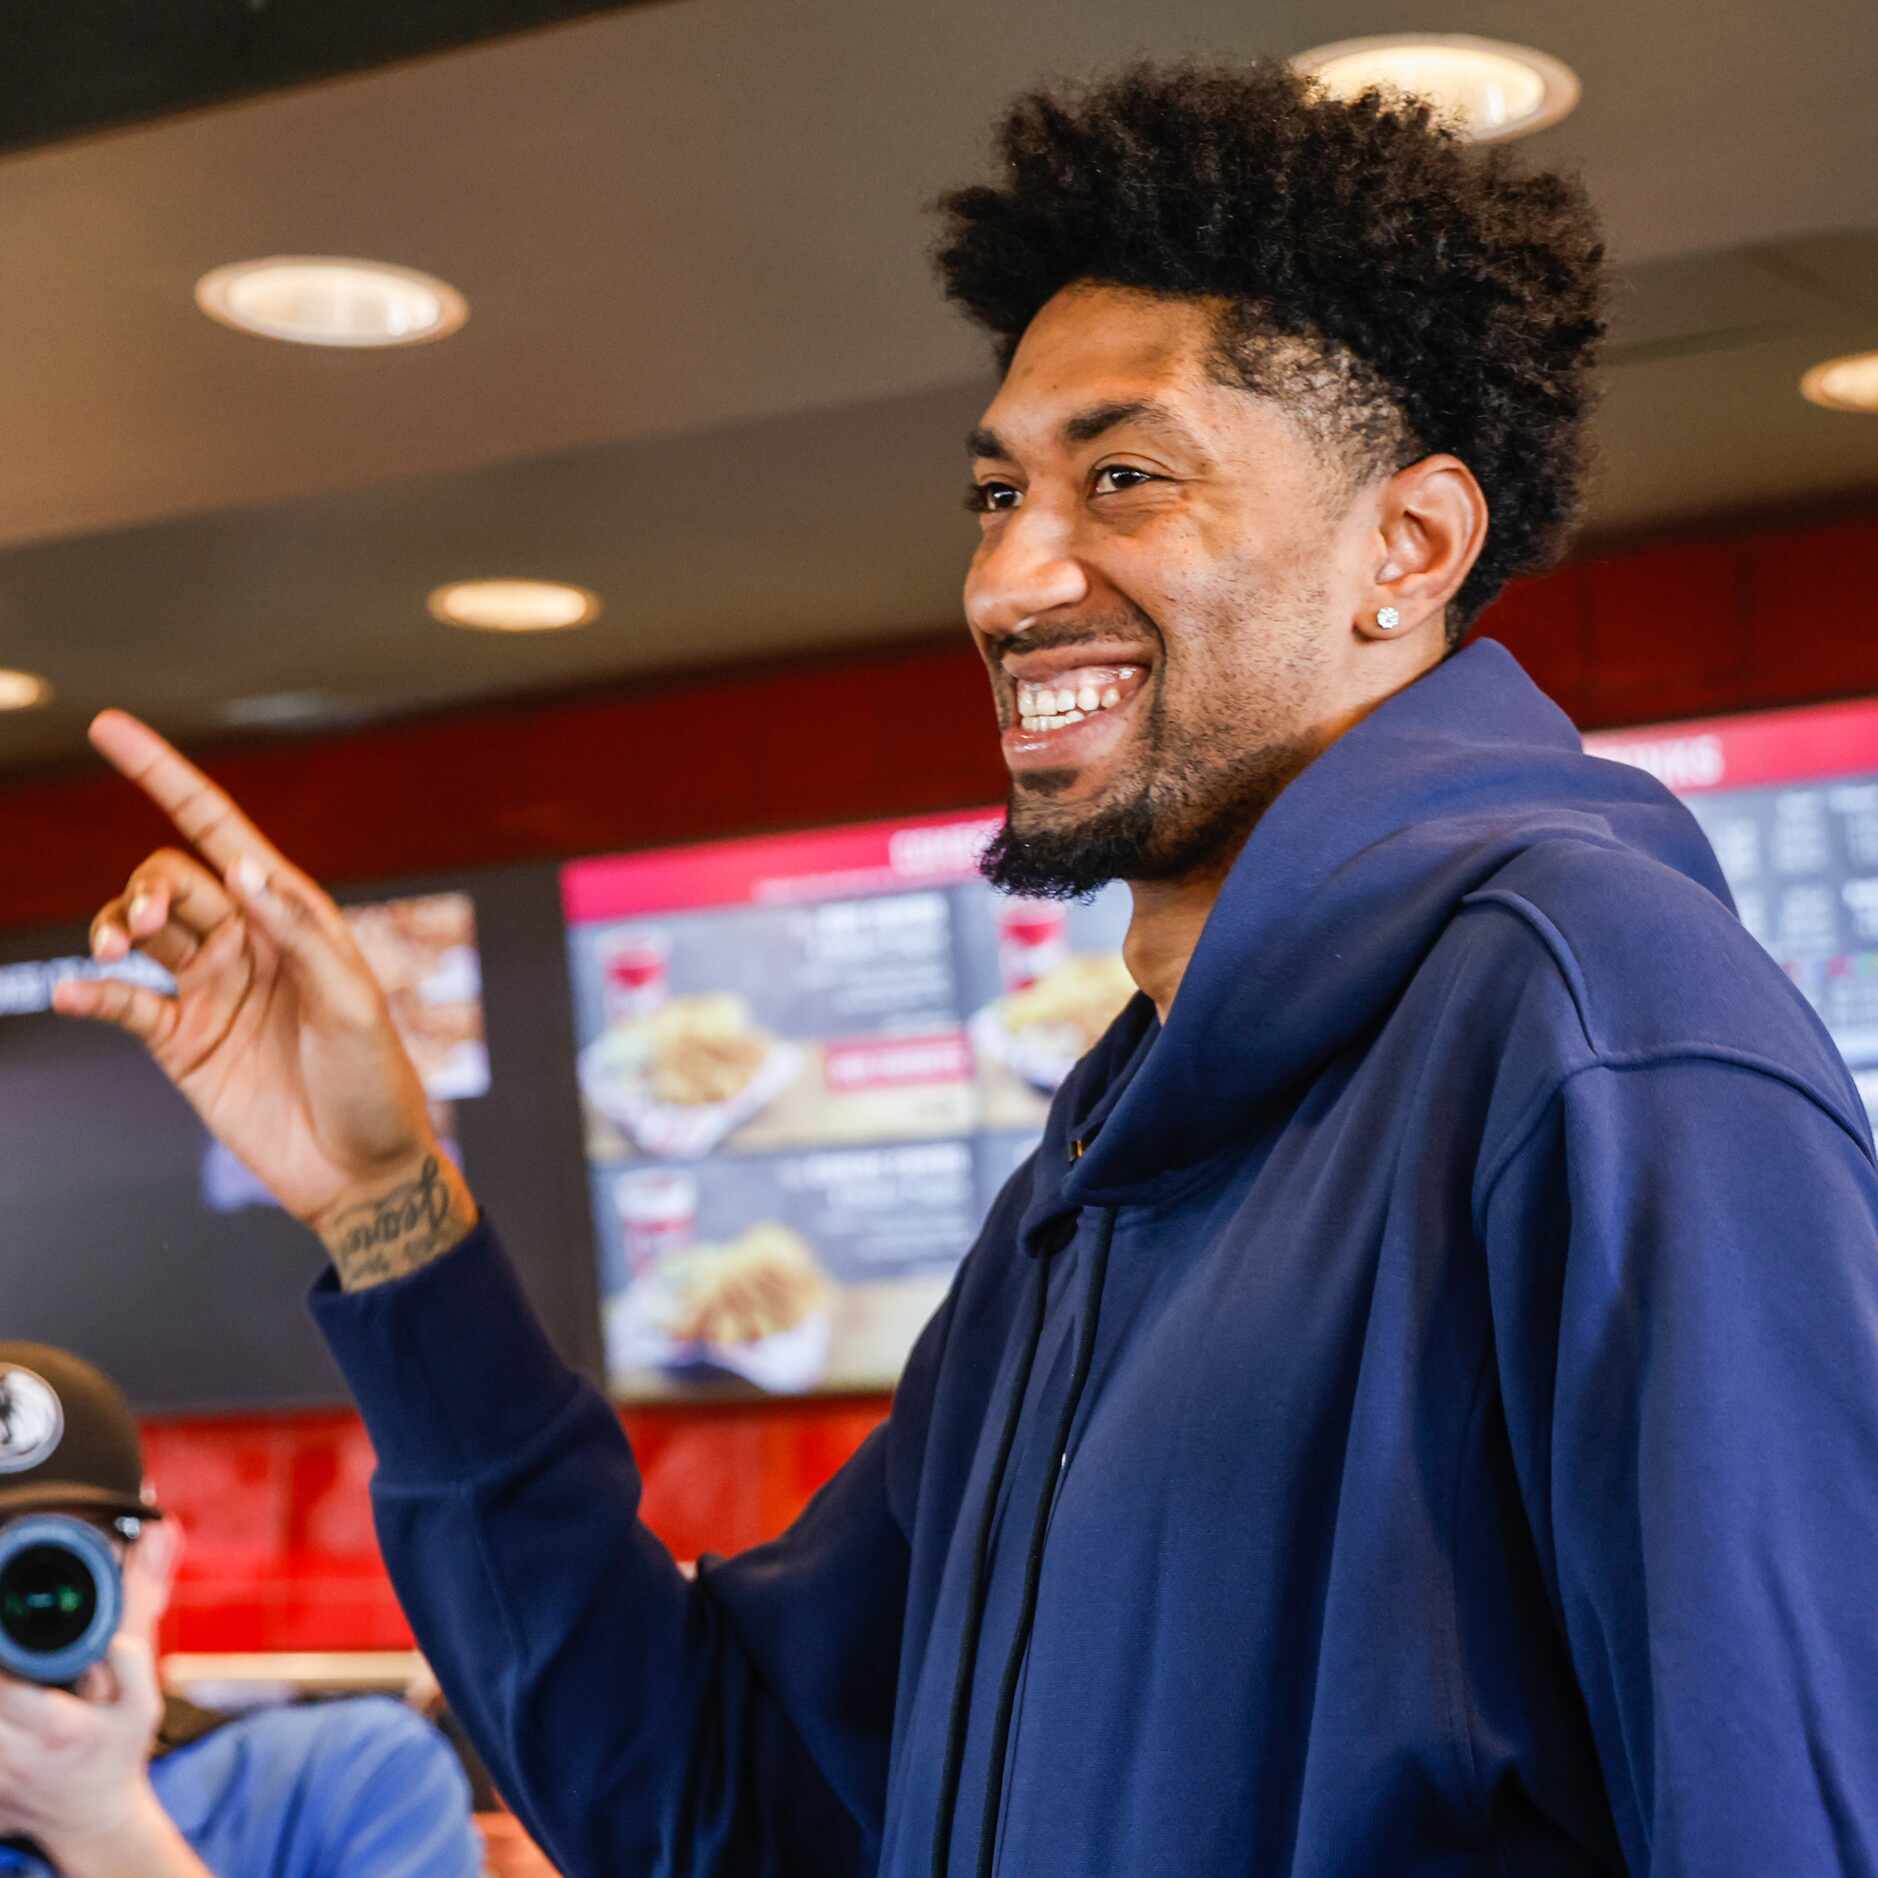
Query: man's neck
(1169,914)
(1165,928)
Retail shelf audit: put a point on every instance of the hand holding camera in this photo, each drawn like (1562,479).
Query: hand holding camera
(73,1764)
(85,1560)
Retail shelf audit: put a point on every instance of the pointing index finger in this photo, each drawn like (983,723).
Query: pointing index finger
(202,812)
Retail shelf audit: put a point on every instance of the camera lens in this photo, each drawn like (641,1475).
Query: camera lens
(61,1597)
(48,1597)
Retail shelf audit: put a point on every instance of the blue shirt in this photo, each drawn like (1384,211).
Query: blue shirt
(362,1788)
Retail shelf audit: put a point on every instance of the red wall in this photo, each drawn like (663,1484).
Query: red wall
(281,1552)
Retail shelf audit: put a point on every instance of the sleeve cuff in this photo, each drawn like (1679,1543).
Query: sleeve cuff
(450,1367)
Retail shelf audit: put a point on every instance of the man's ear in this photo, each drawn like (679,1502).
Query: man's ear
(1432,526)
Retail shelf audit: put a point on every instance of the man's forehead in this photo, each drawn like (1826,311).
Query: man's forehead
(1098,350)
(1132,329)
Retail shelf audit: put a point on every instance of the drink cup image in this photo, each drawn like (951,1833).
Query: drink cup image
(1033,939)
(658,1215)
(633,970)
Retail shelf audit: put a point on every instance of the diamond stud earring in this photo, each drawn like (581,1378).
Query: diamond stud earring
(1388,619)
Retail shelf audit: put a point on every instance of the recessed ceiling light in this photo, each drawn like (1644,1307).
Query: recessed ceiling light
(514,606)
(1844,384)
(313,300)
(20,691)
(281,707)
(1492,89)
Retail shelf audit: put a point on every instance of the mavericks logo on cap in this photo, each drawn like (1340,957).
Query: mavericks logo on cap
(31,1420)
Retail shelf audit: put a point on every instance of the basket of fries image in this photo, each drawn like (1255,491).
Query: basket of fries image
(1040,1032)
(680,1078)
(760,1305)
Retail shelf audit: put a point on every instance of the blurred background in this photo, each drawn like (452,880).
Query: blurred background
(659,332)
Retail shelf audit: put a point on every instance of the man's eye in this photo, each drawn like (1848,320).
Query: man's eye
(988,498)
(1120,476)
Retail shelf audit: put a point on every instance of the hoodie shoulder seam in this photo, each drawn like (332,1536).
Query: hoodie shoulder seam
(1664,1056)
(1554,942)
(1522,1128)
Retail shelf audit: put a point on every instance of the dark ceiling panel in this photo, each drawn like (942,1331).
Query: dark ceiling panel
(86,65)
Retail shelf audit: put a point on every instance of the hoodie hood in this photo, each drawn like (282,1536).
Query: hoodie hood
(1345,885)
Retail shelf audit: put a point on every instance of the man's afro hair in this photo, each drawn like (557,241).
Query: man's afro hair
(1423,295)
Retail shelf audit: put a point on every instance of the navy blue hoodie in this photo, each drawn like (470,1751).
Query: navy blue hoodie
(1417,1413)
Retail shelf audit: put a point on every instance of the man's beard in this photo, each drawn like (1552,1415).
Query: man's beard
(1186,818)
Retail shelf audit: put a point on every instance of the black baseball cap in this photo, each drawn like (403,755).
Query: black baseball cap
(68,1439)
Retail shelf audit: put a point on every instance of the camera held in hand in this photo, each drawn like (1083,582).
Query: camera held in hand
(61,1597)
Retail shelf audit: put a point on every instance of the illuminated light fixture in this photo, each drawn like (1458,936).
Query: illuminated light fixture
(312,300)
(21,691)
(1844,384)
(1492,90)
(514,606)
(280,707)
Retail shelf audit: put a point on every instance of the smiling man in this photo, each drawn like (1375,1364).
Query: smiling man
(1417,1413)
(1163,556)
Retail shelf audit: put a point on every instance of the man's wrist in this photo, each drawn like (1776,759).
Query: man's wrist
(393,1226)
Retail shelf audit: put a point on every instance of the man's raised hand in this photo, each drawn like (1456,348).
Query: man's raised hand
(277,1033)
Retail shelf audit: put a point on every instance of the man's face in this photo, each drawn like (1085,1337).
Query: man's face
(1153,593)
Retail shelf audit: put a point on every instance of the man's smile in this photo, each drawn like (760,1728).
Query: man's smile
(1063,713)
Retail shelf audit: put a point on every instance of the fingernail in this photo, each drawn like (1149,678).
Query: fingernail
(108,945)
(248,877)
(139,906)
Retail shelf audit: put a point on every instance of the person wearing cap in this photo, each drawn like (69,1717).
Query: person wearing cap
(115,1777)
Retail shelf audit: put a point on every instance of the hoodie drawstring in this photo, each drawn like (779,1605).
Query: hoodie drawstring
(1033,1564)
(1033,1568)
(975,1609)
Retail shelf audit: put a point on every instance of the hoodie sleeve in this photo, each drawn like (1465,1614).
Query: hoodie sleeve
(636,1721)
(1684,1265)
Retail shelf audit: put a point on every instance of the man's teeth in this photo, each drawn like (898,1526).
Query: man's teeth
(1054,707)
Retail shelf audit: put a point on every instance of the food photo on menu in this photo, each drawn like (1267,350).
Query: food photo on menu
(783,1273)
(1043,979)
(764,1027)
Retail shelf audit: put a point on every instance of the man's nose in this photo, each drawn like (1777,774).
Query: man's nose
(1029,567)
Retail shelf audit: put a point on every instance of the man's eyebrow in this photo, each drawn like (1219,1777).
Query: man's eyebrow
(1088,425)
(1093,423)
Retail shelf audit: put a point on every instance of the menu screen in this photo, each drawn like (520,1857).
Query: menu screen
(807,1065)
(139,1241)
(1789,800)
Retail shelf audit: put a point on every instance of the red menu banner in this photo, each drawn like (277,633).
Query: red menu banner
(872,857)
(1748,752)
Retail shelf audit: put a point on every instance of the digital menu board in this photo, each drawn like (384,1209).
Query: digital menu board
(1789,801)
(807,1064)
(137,1240)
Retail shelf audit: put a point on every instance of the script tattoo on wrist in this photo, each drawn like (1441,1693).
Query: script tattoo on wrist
(397,1231)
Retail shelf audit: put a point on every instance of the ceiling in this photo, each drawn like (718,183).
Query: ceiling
(706,371)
